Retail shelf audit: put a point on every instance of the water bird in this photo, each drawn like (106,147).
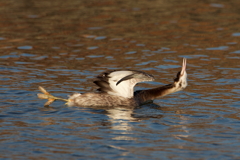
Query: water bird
(116,88)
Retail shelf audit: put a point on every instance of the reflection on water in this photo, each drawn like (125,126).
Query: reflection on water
(62,45)
(120,120)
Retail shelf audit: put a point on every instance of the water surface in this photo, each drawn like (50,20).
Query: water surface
(63,45)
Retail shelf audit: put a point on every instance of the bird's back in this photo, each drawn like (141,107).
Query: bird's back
(97,99)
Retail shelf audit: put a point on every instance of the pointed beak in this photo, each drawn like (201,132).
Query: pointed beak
(184,64)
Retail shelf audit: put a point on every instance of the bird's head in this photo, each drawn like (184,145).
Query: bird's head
(180,81)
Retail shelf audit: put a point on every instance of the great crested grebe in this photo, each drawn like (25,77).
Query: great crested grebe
(116,88)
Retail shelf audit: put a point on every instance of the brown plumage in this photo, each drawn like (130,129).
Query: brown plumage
(116,88)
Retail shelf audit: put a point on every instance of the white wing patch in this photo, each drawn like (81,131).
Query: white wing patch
(121,83)
(125,88)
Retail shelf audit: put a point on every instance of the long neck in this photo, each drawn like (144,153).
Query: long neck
(150,94)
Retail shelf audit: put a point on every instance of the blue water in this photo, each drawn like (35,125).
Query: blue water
(62,46)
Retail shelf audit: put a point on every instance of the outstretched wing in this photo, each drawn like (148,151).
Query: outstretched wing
(121,82)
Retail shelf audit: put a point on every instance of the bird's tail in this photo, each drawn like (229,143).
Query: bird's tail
(48,96)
